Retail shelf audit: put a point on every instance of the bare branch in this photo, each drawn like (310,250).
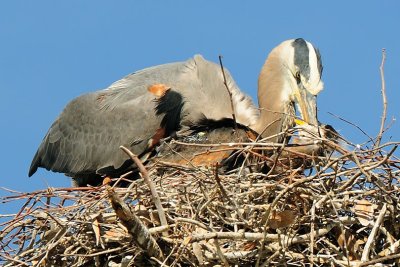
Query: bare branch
(150,183)
(229,92)
(384,100)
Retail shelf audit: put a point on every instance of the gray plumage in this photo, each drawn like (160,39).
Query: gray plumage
(85,138)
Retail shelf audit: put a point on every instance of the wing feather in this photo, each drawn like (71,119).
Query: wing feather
(86,136)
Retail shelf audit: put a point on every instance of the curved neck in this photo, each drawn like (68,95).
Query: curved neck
(273,98)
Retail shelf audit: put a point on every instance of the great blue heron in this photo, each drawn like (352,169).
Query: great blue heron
(146,106)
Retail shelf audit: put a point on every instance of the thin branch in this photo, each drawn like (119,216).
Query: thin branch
(353,124)
(150,183)
(229,92)
(136,228)
(384,99)
(372,235)
(381,259)
(324,198)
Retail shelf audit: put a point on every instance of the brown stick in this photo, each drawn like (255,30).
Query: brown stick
(136,228)
(384,99)
(150,183)
(260,236)
(374,231)
(374,261)
(229,92)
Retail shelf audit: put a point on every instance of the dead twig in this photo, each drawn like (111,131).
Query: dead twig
(150,183)
(384,99)
(134,225)
(229,92)
(292,216)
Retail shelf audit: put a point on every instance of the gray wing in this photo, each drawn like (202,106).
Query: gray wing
(85,138)
(200,82)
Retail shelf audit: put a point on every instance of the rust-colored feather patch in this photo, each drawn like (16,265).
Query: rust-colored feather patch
(251,135)
(158,89)
(207,158)
(158,135)
(210,158)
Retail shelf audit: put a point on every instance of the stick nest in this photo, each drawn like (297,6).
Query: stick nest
(342,211)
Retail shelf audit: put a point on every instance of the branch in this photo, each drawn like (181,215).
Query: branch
(383,90)
(150,183)
(229,92)
(372,235)
(134,225)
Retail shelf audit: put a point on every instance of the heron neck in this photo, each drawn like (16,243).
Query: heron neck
(273,98)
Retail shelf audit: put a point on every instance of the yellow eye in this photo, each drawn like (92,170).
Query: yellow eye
(298,75)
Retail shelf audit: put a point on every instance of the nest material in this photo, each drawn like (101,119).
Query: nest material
(341,212)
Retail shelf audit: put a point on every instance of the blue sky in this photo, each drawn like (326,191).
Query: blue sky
(53,51)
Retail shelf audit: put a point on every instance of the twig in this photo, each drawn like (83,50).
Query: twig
(374,231)
(229,92)
(260,236)
(136,228)
(312,234)
(222,230)
(150,183)
(384,100)
(381,259)
(353,124)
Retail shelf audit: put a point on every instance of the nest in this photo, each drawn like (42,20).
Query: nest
(336,210)
(341,211)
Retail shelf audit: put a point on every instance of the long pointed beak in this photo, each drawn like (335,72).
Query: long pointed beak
(306,104)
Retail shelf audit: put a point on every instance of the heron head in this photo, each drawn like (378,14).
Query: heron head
(303,65)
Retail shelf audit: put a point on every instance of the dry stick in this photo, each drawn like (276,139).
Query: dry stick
(224,193)
(392,249)
(229,92)
(134,225)
(58,239)
(371,237)
(94,254)
(271,258)
(265,218)
(231,255)
(150,183)
(250,148)
(192,240)
(340,222)
(312,234)
(162,264)
(383,90)
(218,246)
(260,236)
(355,176)
(353,124)
(11,259)
(374,261)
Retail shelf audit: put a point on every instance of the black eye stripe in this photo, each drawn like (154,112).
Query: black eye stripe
(301,56)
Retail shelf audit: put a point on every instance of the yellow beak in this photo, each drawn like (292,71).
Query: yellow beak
(306,105)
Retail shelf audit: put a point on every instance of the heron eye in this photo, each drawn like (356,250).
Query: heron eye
(297,76)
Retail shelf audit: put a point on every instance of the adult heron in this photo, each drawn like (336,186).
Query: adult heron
(146,106)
